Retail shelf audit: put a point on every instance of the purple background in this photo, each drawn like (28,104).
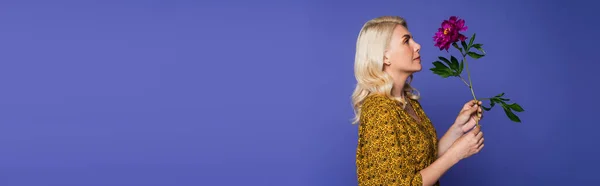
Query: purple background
(173,92)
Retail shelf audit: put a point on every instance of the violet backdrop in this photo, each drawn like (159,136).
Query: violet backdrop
(258,93)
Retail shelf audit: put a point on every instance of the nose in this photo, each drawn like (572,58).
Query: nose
(417,47)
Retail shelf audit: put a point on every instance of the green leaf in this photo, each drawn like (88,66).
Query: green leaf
(516,107)
(471,40)
(475,55)
(510,114)
(508,108)
(492,104)
(440,65)
(441,69)
(496,100)
(445,60)
(442,73)
(454,64)
(479,47)
(464,45)
(457,47)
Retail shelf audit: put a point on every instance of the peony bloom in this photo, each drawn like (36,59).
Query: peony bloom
(450,33)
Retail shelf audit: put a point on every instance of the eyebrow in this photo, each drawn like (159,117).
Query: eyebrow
(407,36)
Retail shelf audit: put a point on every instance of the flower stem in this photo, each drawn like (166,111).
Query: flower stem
(469,76)
(463,80)
(470,82)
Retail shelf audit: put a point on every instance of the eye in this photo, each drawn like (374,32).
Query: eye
(407,39)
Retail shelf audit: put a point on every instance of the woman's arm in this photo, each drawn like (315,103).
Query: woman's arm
(435,171)
(449,137)
(382,154)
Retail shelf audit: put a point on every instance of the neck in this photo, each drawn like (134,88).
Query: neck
(399,83)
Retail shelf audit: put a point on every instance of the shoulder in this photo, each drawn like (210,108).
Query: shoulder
(378,105)
(378,101)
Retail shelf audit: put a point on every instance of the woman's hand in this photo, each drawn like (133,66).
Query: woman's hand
(468,144)
(466,120)
(468,116)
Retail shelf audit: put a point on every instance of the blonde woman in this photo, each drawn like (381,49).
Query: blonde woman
(397,143)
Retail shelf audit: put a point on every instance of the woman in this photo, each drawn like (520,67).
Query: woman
(397,143)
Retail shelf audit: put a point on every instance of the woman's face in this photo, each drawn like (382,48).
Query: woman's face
(402,55)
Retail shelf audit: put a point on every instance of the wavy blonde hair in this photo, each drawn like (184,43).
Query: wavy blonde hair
(372,42)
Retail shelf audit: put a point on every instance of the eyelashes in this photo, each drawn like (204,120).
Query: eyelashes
(406,39)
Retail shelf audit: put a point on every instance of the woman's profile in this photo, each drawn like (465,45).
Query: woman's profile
(397,143)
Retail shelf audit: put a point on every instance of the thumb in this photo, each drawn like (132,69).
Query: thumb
(469,105)
(465,115)
(471,110)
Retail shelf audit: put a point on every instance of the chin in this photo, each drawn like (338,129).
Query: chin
(418,68)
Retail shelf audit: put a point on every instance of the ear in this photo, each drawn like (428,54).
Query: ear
(386,58)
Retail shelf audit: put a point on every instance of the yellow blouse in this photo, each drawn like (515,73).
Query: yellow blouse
(392,146)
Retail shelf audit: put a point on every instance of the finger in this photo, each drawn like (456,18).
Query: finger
(468,105)
(465,115)
(480,142)
(471,110)
(469,125)
(475,131)
(479,136)
(480,147)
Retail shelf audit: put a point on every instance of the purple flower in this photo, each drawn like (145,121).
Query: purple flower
(450,33)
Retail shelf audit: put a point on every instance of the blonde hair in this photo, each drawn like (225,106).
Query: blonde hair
(373,40)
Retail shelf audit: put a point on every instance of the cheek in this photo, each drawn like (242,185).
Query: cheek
(399,53)
(404,55)
(408,51)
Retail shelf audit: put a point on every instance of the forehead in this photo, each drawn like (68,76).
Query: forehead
(401,30)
